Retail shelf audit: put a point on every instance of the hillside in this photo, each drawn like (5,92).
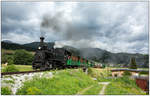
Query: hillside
(29,46)
(114,58)
(36,44)
(14,46)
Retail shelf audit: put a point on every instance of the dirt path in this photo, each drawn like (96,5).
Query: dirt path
(81,92)
(104,87)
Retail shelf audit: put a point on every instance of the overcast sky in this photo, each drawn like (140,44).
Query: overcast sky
(113,26)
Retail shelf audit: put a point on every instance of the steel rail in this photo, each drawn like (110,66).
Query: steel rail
(23,72)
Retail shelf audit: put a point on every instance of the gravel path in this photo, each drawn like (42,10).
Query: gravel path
(104,87)
(81,92)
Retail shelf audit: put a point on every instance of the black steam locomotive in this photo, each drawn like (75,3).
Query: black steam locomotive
(49,58)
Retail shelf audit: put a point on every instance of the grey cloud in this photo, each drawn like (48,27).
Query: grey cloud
(16,20)
(107,23)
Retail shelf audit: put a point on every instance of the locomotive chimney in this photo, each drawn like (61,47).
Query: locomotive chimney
(41,39)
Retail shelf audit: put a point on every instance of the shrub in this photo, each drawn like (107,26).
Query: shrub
(5,91)
(23,57)
(10,62)
(127,73)
(91,72)
(10,68)
(4,59)
(33,91)
(103,65)
(7,58)
(144,72)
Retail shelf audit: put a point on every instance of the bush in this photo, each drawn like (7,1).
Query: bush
(33,91)
(91,72)
(4,59)
(7,58)
(23,57)
(5,91)
(103,65)
(144,72)
(127,73)
(10,62)
(10,68)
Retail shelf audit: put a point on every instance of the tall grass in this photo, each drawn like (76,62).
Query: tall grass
(99,73)
(18,67)
(123,86)
(66,82)
(10,68)
(6,91)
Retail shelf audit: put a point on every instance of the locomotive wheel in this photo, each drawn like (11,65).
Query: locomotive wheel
(42,68)
(48,65)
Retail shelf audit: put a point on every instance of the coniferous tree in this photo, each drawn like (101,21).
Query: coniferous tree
(133,63)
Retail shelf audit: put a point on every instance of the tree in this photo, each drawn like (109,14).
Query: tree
(133,63)
(7,58)
(105,57)
(146,61)
(23,57)
(4,59)
(127,73)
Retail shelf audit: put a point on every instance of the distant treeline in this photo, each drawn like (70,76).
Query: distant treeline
(14,46)
(18,57)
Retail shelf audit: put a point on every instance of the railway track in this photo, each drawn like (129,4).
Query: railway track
(23,72)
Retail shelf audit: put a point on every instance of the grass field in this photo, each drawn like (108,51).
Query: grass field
(24,67)
(117,86)
(65,82)
(73,81)
(21,67)
(6,51)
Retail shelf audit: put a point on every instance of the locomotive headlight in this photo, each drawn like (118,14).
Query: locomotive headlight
(39,48)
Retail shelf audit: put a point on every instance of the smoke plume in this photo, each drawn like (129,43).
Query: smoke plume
(50,23)
(72,33)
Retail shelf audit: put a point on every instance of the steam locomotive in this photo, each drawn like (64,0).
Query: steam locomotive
(49,58)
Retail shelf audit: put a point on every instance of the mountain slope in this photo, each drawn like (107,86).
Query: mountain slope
(14,46)
(36,44)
